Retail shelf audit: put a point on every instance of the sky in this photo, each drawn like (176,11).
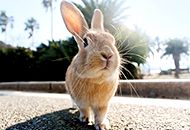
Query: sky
(163,18)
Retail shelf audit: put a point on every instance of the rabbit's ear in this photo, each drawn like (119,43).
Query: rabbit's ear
(74,19)
(97,22)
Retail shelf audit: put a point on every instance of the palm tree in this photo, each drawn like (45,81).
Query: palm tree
(49,4)
(4,21)
(31,25)
(176,47)
(155,45)
(114,11)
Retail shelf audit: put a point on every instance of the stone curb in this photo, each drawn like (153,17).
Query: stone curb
(57,87)
(142,88)
(175,88)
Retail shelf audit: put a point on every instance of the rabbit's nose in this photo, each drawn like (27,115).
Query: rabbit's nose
(106,53)
(106,56)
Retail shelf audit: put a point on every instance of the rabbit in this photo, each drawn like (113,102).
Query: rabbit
(93,75)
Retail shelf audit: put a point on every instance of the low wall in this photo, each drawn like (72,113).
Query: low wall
(175,88)
(57,87)
(142,88)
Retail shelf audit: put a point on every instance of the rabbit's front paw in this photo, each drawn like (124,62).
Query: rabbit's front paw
(103,126)
(84,115)
(84,119)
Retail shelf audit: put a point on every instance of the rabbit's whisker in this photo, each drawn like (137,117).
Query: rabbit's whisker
(132,88)
(127,71)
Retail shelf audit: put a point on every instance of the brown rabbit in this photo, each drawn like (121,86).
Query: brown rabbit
(92,78)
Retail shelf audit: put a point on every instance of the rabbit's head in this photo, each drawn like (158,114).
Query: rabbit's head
(97,54)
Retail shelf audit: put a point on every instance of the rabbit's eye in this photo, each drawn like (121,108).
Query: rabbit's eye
(85,42)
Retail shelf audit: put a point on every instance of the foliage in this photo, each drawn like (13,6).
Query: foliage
(132,45)
(31,25)
(5,20)
(113,10)
(155,46)
(176,47)
(47,3)
(57,50)
(15,64)
(47,63)
(133,48)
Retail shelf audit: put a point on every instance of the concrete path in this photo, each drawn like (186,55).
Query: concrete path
(43,111)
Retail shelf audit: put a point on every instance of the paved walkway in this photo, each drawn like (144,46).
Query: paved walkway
(42,111)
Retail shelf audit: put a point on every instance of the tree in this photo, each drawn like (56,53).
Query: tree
(53,59)
(49,4)
(155,45)
(58,50)
(46,63)
(4,21)
(114,12)
(31,25)
(176,47)
(16,61)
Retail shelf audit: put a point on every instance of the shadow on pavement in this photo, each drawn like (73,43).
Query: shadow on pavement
(66,119)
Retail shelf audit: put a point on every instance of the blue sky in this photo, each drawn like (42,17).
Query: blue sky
(163,18)
(24,9)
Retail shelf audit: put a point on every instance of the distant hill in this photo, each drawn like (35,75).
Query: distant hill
(4,45)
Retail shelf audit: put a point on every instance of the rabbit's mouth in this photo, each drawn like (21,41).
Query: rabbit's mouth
(106,68)
(107,65)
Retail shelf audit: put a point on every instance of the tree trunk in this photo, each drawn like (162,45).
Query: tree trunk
(51,8)
(6,34)
(176,58)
